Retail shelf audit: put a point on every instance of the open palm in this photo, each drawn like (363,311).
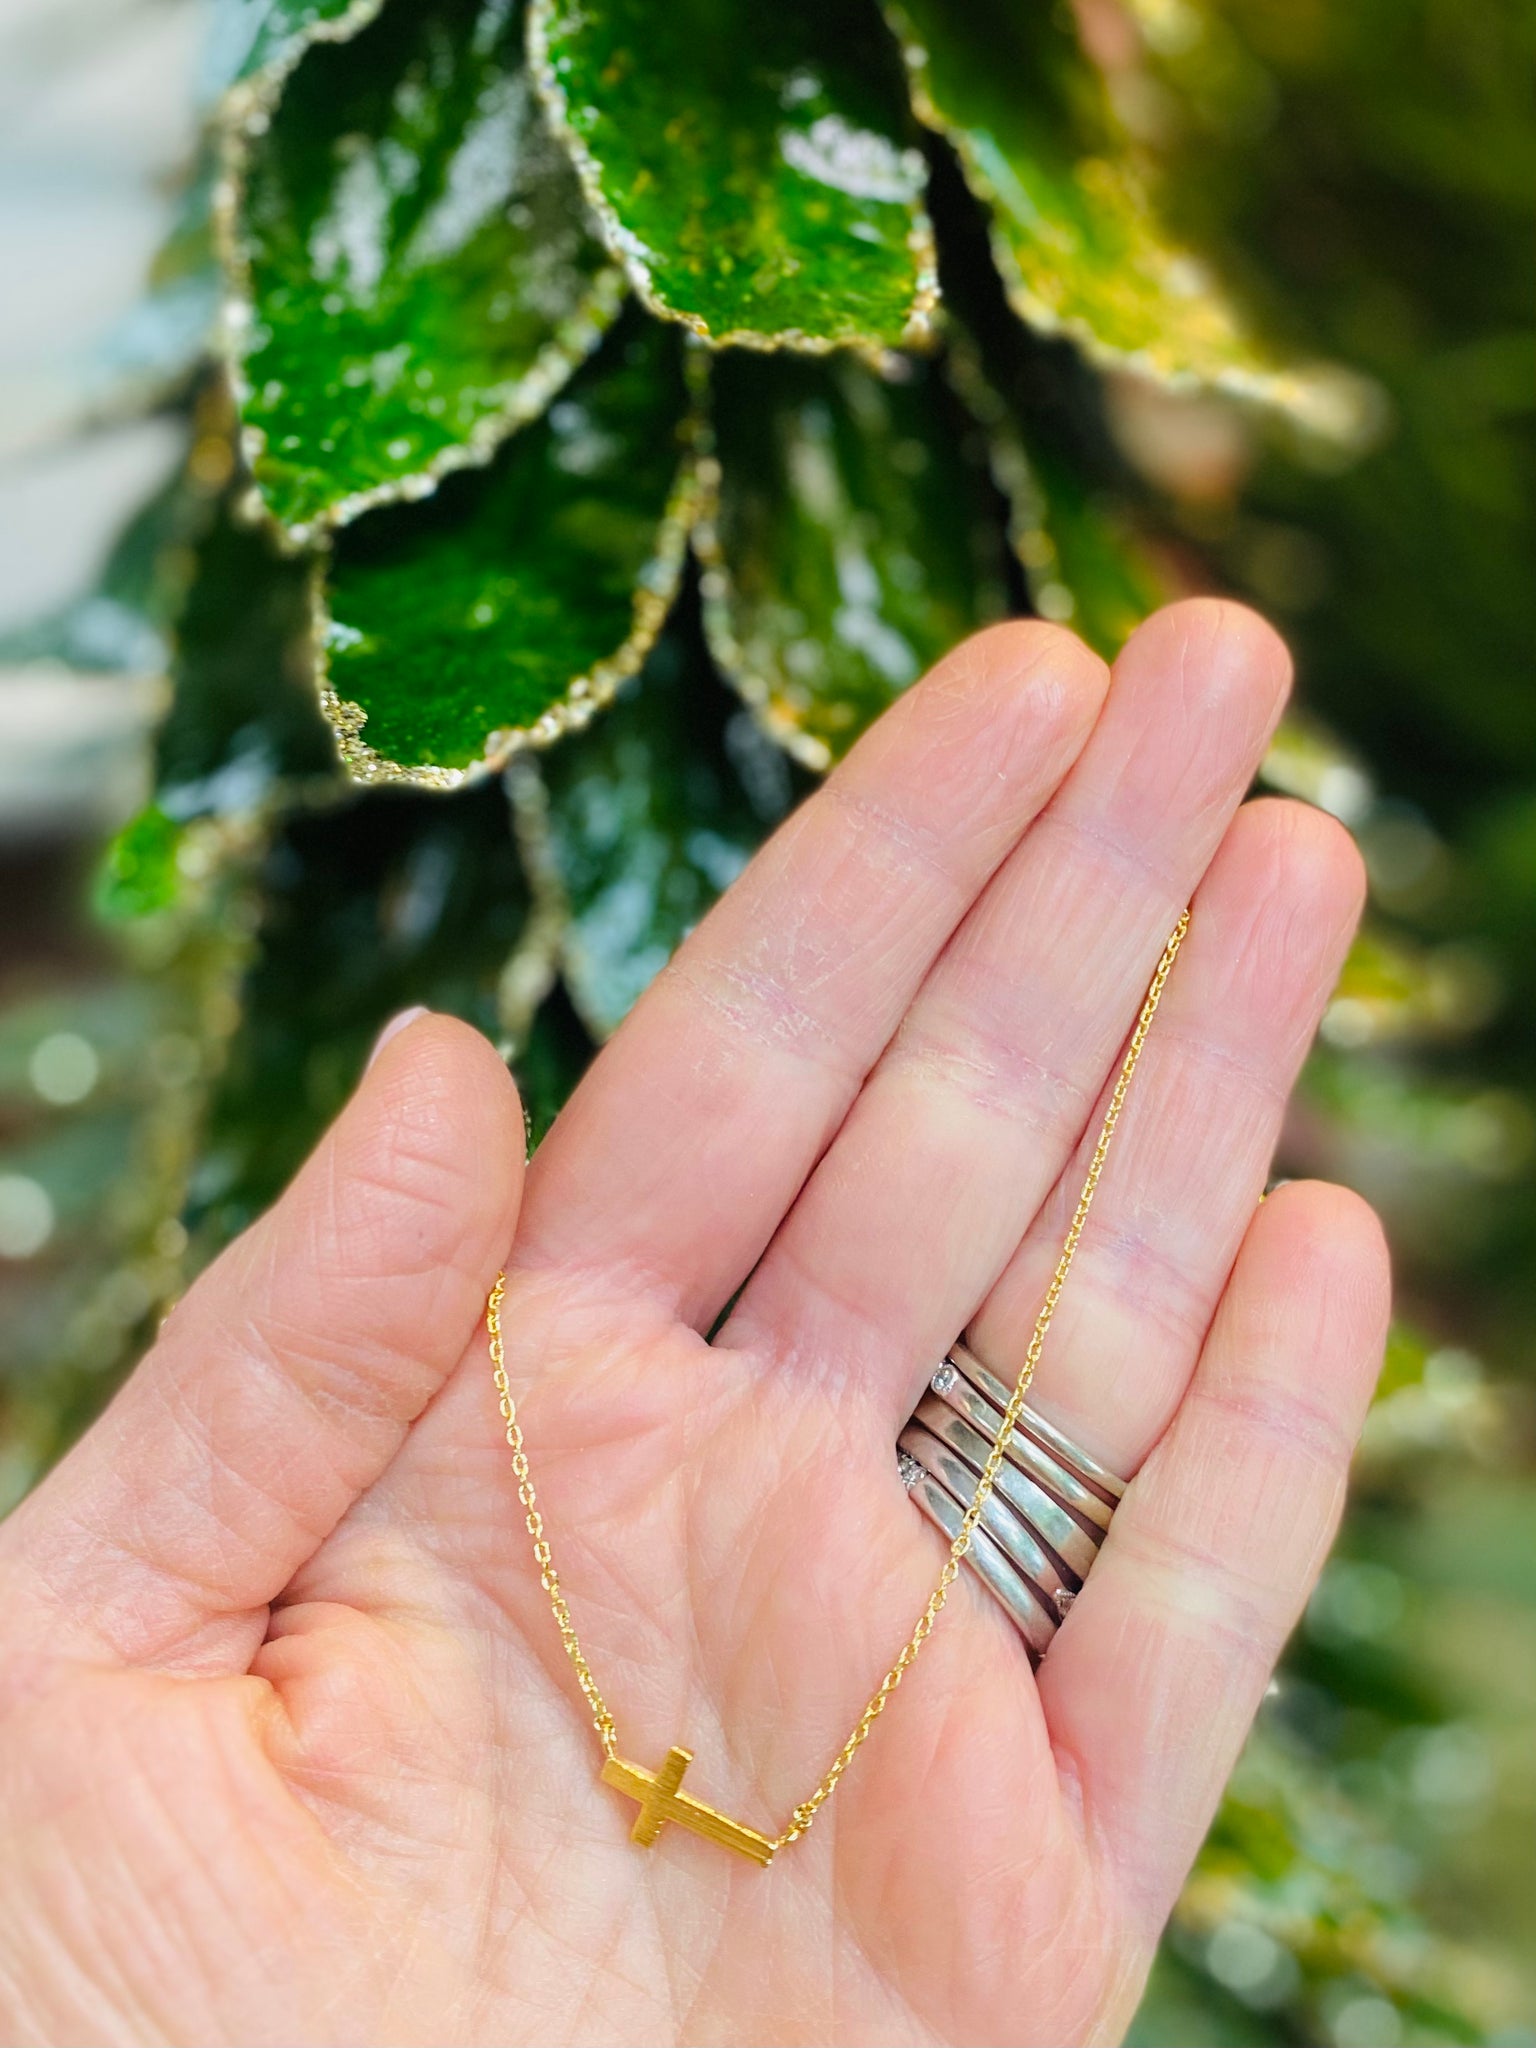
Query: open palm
(291,1751)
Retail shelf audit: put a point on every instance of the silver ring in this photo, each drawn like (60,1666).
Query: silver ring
(1025,1452)
(1013,1536)
(1005,1585)
(1071,1545)
(1051,1504)
(1061,1448)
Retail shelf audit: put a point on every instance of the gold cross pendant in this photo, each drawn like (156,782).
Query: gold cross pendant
(661,1801)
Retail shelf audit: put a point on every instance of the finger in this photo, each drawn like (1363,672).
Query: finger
(963,1127)
(1153,1682)
(726,1082)
(286,1379)
(1272,922)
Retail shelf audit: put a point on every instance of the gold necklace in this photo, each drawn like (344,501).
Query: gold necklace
(659,1793)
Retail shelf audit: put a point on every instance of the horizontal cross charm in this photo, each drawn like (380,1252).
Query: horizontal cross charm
(661,1800)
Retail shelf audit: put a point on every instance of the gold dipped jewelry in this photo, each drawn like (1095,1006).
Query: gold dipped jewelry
(661,1801)
(659,1793)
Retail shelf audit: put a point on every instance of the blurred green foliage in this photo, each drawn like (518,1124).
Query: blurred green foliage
(977,369)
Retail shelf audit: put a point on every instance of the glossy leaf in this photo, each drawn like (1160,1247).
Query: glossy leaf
(255,43)
(858,537)
(1076,230)
(242,718)
(754,172)
(242,721)
(649,818)
(386,900)
(512,603)
(420,274)
(1071,502)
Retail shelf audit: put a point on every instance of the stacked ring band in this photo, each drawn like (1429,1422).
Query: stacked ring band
(1040,1531)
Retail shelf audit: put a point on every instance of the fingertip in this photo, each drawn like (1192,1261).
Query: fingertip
(1319,852)
(1016,666)
(1015,701)
(401,1021)
(444,1053)
(414,1193)
(1302,869)
(982,742)
(1332,1224)
(1058,673)
(1217,648)
(1016,648)
(441,1088)
(1320,1239)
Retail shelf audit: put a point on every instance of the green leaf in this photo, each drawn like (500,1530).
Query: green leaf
(554,1054)
(1075,225)
(255,43)
(1071,500)
(420,275)
(138,874)
(243,717)
(858,537)
(512,604)
(242,721)
(649,818)
(1085,563)
(388,899)
(754,172)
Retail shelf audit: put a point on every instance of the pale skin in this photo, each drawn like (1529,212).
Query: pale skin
(290,1750)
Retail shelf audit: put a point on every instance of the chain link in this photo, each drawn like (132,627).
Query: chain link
(533,1521)
(805,1813)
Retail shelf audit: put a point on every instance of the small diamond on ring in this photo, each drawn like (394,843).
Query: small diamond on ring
(944,1378)
(908,1469)
(1063,1598)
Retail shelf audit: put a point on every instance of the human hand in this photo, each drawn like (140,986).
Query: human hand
(291,1752)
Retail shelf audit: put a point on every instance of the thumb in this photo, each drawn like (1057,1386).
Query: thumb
(286,1379)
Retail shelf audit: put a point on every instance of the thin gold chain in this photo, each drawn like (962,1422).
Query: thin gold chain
(806,1812)
(533,1521)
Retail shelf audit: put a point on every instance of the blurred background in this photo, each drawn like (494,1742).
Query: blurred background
(1368,174)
